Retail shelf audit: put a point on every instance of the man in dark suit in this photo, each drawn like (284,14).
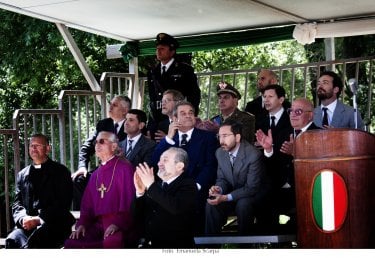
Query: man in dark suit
(256,106)
(169,74)
(118,109)
(301,118)
(42,201)
(168,102)
(241,185)
(137,148)
(200,146)
(276,124)
(338,115)
(166,205)
(280,157)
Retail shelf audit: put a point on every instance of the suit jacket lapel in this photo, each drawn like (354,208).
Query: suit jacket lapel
(136,148)
(239,162)
(337,114)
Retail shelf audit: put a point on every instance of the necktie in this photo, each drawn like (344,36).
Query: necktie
(130,148)
(116,126)
(325,116)
(232,158)
(184,140)
(164,68)
(297,132)
(273,124)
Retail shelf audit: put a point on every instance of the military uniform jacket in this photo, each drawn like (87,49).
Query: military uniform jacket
(247,120)
(179,76)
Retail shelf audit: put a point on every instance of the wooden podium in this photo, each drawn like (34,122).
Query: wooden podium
(335,189)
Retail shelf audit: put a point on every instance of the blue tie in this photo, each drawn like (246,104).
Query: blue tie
(130,148)
(184,139)
(325,116)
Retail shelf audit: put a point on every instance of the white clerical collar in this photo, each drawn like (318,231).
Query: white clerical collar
(39,166)
(105,162)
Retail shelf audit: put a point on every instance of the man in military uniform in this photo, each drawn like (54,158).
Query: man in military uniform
(169,74)
(228,105)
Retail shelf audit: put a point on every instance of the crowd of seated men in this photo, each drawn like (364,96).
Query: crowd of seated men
(169,176)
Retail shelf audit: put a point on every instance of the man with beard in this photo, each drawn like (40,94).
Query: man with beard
(165,205)
(256,106)
(241,184)
(200,146)
(332,113)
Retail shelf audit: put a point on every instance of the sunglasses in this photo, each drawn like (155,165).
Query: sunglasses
(101,141)
(297,111)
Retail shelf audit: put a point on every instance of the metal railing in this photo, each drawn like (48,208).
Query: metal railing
(9,163)
(299,81)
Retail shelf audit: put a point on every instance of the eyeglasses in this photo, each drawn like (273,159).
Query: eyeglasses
(297,111)
(166,101)
(36,146)
(102,141)
(223,135)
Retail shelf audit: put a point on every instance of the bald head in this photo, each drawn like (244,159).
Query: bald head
(265,78)
(301,113)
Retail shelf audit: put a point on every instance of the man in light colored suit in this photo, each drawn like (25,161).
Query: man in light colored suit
(141,148)
(339,115)
(241,184)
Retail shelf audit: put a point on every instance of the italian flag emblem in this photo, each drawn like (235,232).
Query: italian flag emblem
(329,200)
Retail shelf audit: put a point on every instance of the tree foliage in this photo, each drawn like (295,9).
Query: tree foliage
(36,64)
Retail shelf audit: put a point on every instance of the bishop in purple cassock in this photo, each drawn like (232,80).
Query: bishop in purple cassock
(105,219)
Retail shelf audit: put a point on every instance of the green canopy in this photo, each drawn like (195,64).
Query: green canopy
(211,41)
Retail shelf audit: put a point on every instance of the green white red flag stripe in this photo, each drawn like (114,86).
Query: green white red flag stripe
(329,200)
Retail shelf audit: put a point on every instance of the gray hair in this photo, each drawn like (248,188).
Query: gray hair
(182,103)
(180,156)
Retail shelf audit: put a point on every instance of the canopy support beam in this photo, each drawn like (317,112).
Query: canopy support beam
(90,78)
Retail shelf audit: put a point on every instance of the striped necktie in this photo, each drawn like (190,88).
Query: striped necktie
(184,139)
(232,159)
(130,148)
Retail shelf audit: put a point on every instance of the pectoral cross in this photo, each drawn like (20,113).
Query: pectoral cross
(102,190)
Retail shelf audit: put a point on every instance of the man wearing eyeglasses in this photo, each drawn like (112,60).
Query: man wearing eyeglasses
(301,118)
(168,102)
(118,109)
(241,185)
(41,209)
(105,220)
